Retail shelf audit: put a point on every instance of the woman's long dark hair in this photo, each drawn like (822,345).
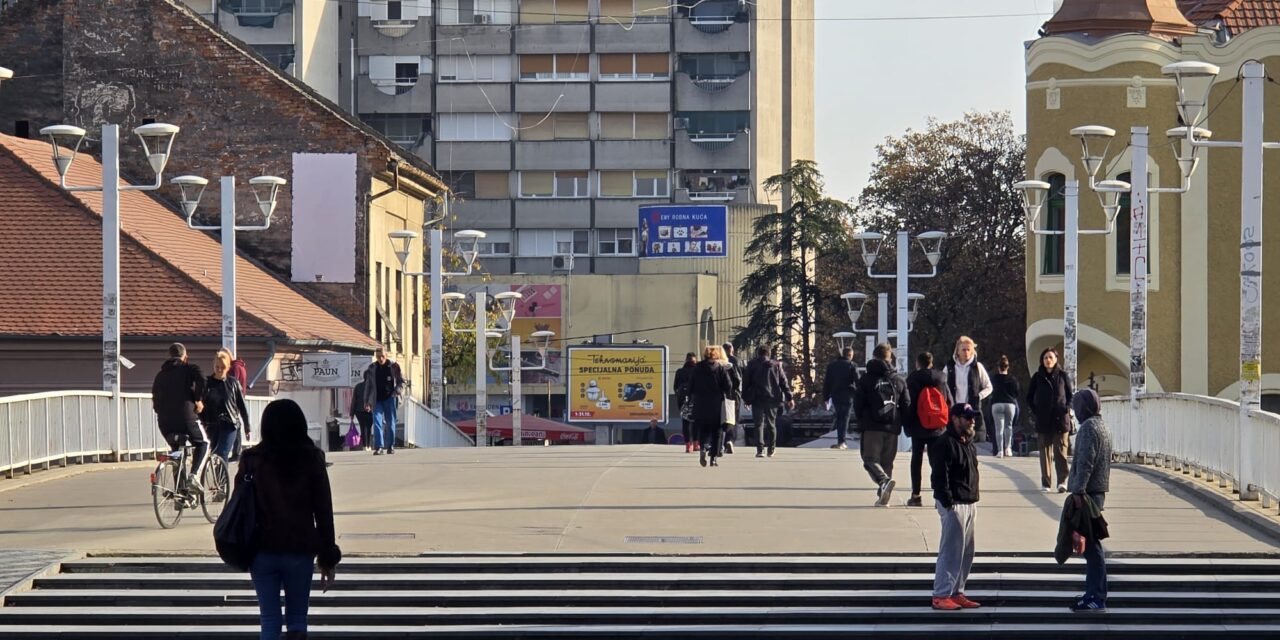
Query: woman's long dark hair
(1047,352)
(284,432)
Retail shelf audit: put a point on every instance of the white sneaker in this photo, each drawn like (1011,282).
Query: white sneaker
(885,490)
(1046,489)
(1062,488)
(1008,452)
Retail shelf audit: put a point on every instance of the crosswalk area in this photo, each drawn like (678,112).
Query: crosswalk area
(651,596)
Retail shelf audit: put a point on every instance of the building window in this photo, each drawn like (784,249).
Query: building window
(496,242)
(553,11)
(554,184)
(279,55)
(554,126)
(473,127)
(634,126)
(404,130)
(544,243)
(474,68)
(454,12)
(394,75)
(714,122)
(634,184)
(256,13)
(715,65)
(562,66)
(407,10)
(635,66)
(1053,247)
(628,11)
(1121,236)
(711,10)
(477,185)
(616,242)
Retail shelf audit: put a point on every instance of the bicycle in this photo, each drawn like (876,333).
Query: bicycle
(172,492)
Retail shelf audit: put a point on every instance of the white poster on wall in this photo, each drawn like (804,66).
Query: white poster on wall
(326,370)
(324,217)
(358,366)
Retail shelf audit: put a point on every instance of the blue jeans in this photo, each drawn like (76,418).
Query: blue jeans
(292,571)
(384,423)
(1095,576)
(842,420)
(224,441)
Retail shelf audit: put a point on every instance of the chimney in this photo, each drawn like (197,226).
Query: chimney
(1113,17)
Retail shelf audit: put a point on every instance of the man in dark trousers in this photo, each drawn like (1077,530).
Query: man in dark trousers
(176,398)
(881,403)
(382,385)
(838,387)
(1091,476)
(924,377)
(955,493)
(765,390)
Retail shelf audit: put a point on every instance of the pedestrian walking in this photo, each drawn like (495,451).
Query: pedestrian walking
(1091,476)
(928,417)
(683,376)
(969,382)
(881,403)
(177,397)
(363,416)
(295,519)
(766,391)
(954,461)
(241,373)
(736,373)
(382,385)
(1005,392)
(1049,396)
(838,387)
(224,414)
(709,387)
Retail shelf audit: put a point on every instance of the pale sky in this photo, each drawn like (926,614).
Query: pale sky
(876,79)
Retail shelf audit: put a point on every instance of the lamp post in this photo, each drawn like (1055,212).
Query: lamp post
(265,189)
(157,142)
(483,333)
(931,243)
(1195,83)
(515,364)
(467,245)
(855,302)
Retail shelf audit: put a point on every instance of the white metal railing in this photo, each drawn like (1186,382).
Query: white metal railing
(40,429)
(1201,435)
(426,428)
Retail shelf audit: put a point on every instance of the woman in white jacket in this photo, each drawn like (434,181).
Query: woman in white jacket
(969,381)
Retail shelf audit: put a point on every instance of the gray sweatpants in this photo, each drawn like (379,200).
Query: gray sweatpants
(955,549)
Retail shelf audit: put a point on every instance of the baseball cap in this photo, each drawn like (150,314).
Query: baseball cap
(963,410)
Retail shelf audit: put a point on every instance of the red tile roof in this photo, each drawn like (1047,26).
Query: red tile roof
(51,265)
(1238,15)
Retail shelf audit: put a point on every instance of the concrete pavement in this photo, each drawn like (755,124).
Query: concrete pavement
(638,498)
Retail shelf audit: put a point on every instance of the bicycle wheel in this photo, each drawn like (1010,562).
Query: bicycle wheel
(165,495)
(217,487)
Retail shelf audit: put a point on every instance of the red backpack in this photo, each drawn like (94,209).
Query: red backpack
(932,409)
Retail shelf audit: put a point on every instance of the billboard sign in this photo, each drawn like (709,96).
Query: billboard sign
(617,384)
(684,231)
(326,370)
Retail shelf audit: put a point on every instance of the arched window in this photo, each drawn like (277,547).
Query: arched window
(1121,237)
(1054,218)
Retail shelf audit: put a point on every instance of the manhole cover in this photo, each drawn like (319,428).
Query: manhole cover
(378,536)
(663,539)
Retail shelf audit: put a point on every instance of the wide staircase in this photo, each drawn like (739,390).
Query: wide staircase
(647,596)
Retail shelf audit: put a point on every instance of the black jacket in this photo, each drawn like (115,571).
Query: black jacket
(295,503)
(709,386)
(1049,396)
(683,377)
(1085,519)
(841,381)
(865,405)
(1005,389)
(917,381)
(735,377)
(357,400)
(765,383)
(955,470)
(224,408)
(174,394)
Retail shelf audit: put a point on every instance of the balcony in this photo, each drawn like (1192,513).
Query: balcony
(475,39)
(550,155)
(393,96)
(544,96)
(463,97)
(468,155)
(633,96)
(256,27)
(642,37)
(632,154)
(691,38)
(553,38)
(713,93)
(712,150)
(712,196)
(394,37)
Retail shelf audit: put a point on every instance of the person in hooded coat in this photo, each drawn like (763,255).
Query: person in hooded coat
(1091,476)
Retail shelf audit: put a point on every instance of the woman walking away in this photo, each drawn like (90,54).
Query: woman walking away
(1091,476)
(225,413)
(1004,407)
(709,386)
(683,376)
(1049,396)
(295,519)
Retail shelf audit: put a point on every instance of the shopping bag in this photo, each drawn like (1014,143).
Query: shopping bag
(353,437)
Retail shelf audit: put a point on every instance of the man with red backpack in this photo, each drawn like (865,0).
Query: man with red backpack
(930,401)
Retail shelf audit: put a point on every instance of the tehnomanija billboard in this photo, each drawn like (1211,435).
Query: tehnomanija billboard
(617,384)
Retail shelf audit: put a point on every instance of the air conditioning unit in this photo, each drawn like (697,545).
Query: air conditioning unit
(481,18)
(563,262)
(681,123)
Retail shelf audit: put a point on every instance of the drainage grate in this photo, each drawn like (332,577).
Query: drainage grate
(378,536)
(663,539)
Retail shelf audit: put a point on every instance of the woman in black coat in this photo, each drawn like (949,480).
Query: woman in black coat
(709,386)
(683,375)
(1049,396)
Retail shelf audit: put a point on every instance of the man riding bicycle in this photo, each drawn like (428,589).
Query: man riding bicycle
(175,397)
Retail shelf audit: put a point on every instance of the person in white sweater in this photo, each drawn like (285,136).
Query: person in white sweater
(969,382)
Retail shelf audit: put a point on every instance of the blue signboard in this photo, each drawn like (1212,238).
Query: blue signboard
(683,231)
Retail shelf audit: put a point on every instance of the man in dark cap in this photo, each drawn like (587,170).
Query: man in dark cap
(954,461)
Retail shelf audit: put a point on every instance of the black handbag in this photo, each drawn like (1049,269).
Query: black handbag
(235,535)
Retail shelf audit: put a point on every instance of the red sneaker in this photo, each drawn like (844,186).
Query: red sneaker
(946,604)
(688,447)
(964,602)
(697,446)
